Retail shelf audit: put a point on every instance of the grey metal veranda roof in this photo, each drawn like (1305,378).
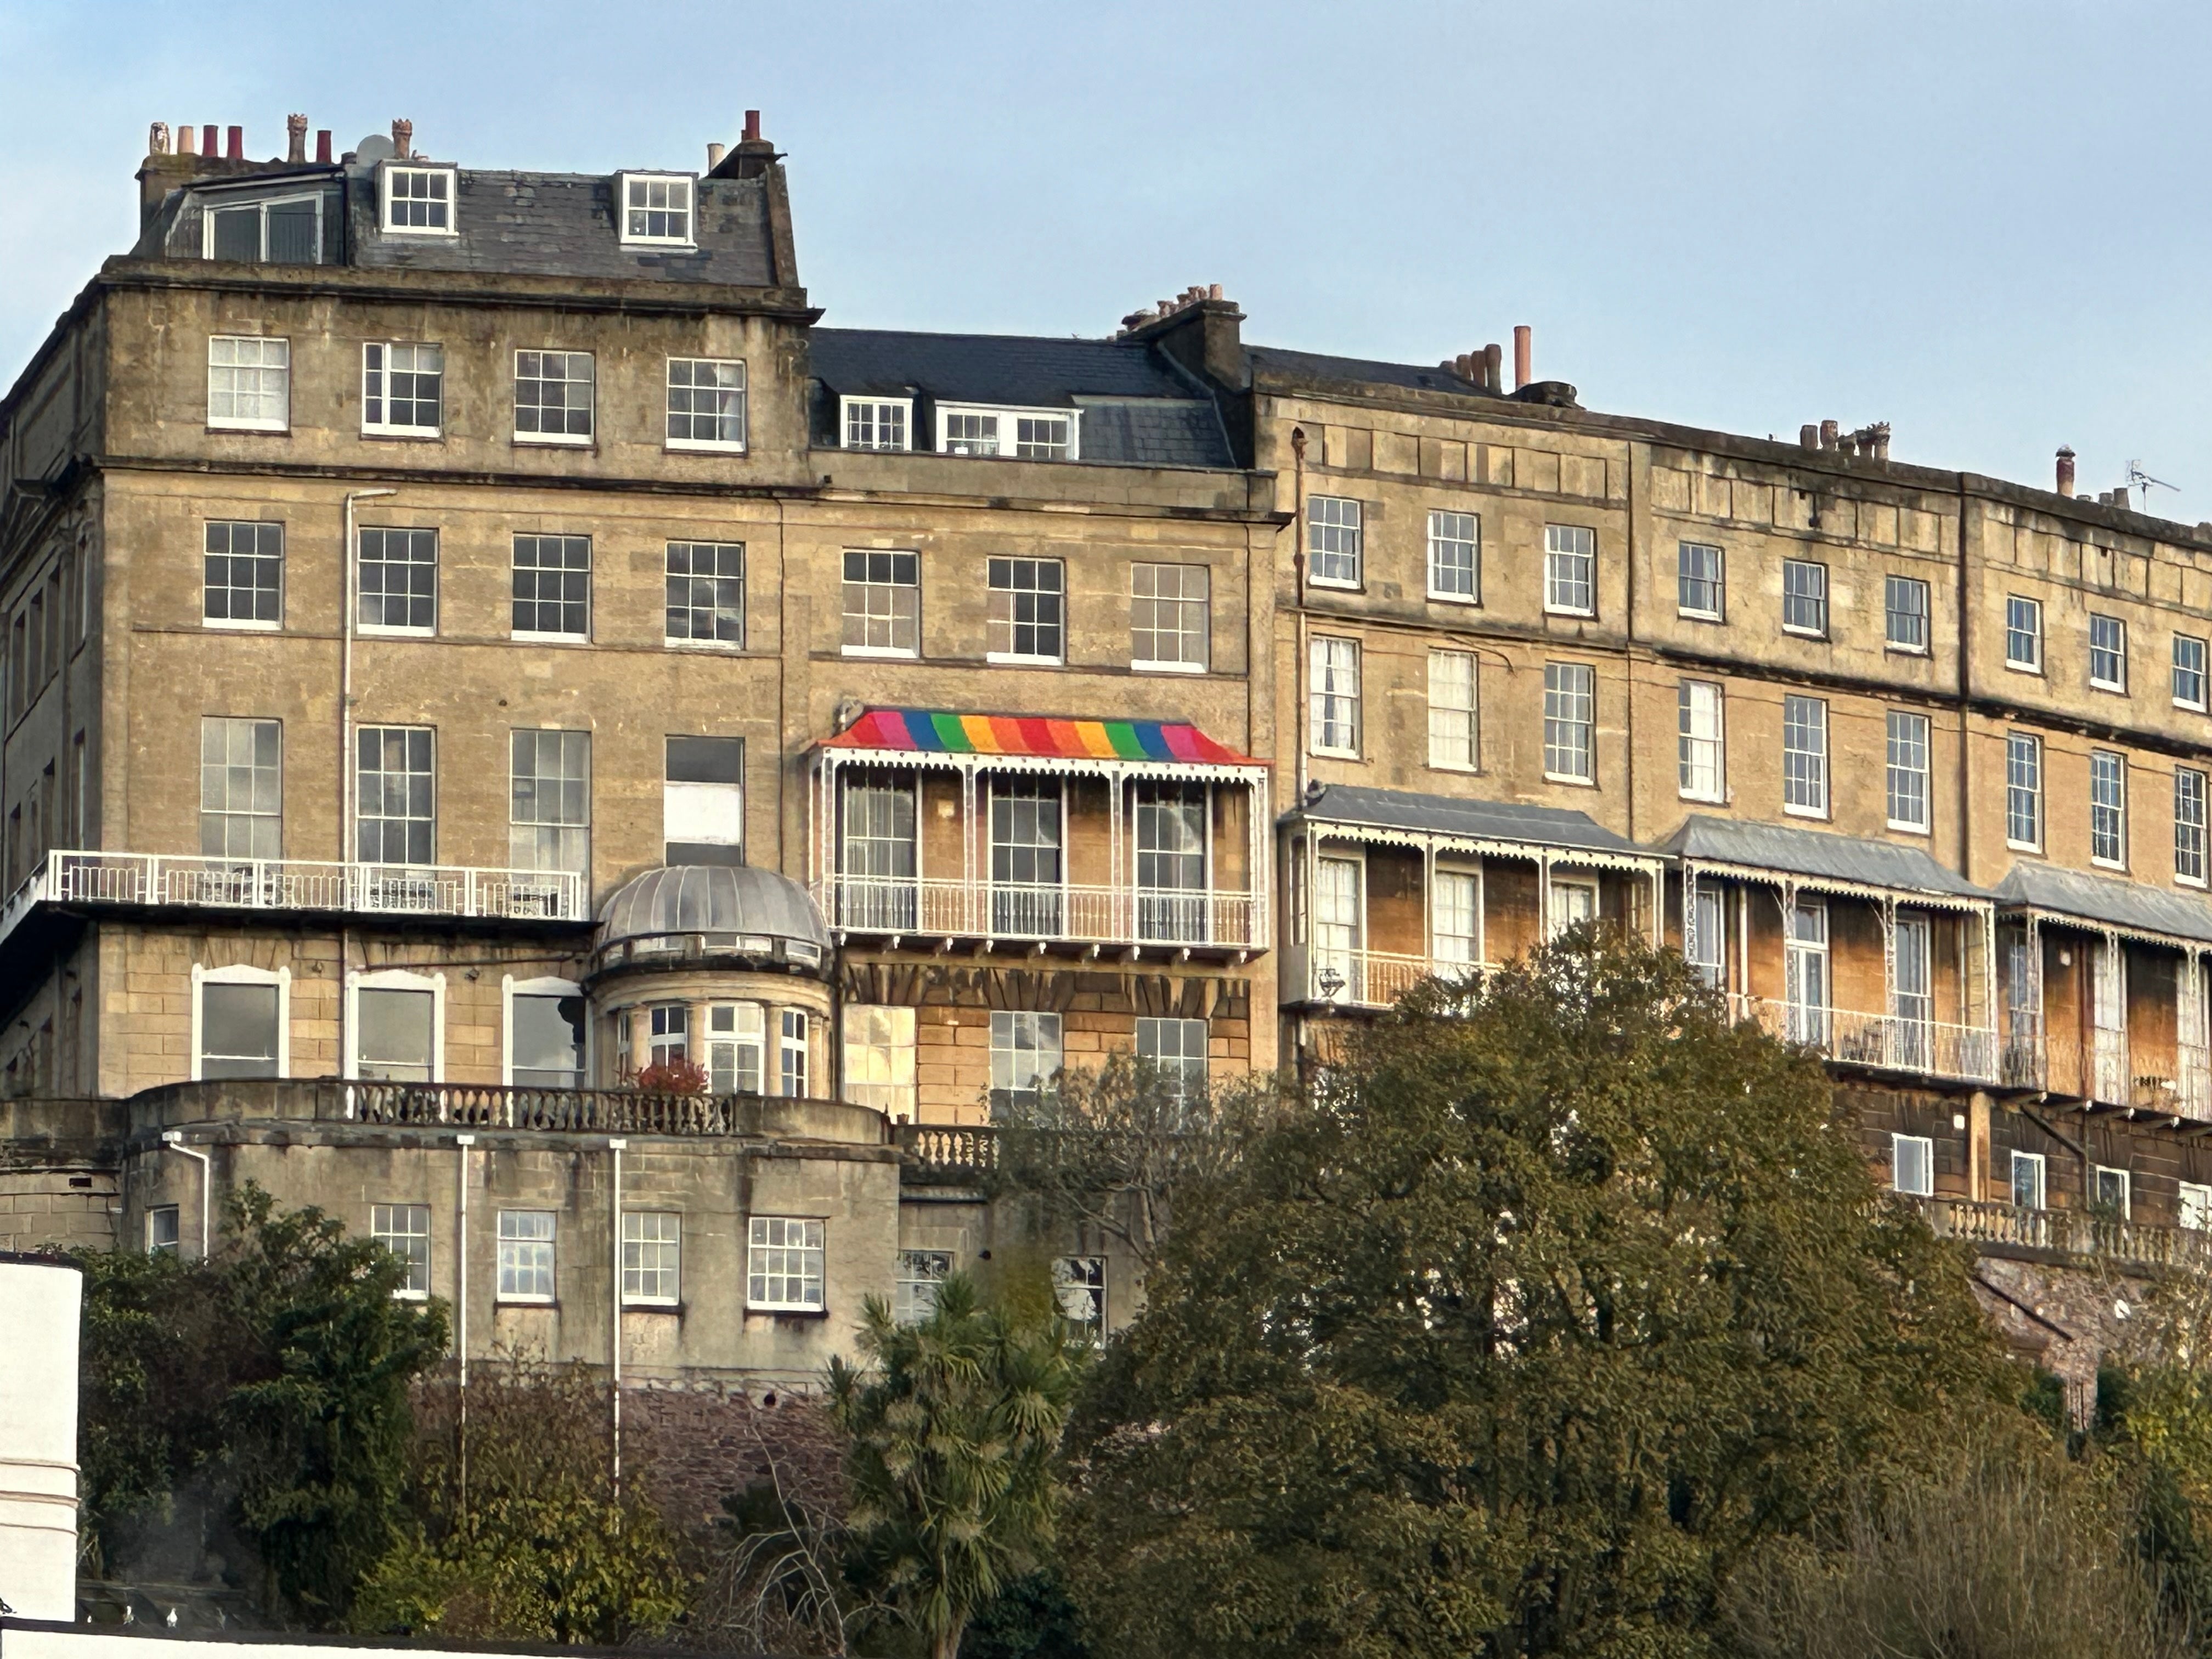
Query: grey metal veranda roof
(711,898)
(1472,820)
(2132,905)
(1817,854)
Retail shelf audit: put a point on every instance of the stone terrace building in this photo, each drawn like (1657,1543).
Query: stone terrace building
(473,638)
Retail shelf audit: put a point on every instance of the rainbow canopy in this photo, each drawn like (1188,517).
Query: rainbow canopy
(920,731)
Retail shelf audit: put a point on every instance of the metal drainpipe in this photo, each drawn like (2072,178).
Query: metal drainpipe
(347,603)
(174,1140)
(614,1345)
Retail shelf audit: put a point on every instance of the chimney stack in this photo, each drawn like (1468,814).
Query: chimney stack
(295,136)
(752,126)
(1523,355)
(1831,433)
(2065,471)
(1808,436)
(323,146)
(237,150)
(403,137)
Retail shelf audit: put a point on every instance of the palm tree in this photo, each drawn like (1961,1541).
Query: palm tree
(952,1434)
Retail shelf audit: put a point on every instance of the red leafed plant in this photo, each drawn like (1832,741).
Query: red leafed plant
(673,1077)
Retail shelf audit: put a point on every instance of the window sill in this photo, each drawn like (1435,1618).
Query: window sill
(726,647)
(2034,668)
(2108,685)
(877,449)
(1820,813)
(2107,864)
(1462,771)
(1907,829)
(1571,782)
(2195,882)
(524,1301)
(233,625)
(555,440)
(1805,633)
(264,428)
(779,1311)
(551,639)
(386,631)
(1905,650)
(410,1296)
(1168,668)
(1702,800)
(1469,601)
(1699,616)
(2012,846)
(702,447)
(1335,754)
(885,651)
(1338,583)
(1011,659)
(413,435)
(634,1304)
(2193,708)
(683,243)
(1569,611)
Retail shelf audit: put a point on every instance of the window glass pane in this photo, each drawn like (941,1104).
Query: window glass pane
(393,1034)
(704,801)
(657,209)
(553,585)
(1804,597)
(1334,695)
(2188,671)
(1697,590)
(707,593)
(1079,1282)
(1178,1048)
(2023,633)
(2108,650)
(2107,807)
(1570,721)
(1698,740)
(920,1272)
(553,394)
(546,1041)
(398,578)
(238,1031)
(241,789)
(402,387)
(2189,801)
(1025,1057)
(1169,621)
(1805,753)
(870,425)
(1455,547)
(1332,537)
(1904,605)
(395,813)
(1027,616)
(526,1254)
(1453,732)
(882,601)
(404,1230)
(705,402)
(550,801)
(651,1247)
(2023,789)
(249,381)
(1570,568)
(243,577)
(784,1264)
(1908,771)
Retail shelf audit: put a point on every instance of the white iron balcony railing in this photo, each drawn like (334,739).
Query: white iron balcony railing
(932,908)
(157,880)
(1892,1043)
(1372,979)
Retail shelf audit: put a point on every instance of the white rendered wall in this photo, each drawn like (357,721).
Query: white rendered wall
(40,1304)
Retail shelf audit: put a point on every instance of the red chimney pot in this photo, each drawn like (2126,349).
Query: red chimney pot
(323,146)
(1523,355)
(237,150)
(207,139)
(752,126)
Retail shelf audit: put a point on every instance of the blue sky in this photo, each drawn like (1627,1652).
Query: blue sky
(1984,223)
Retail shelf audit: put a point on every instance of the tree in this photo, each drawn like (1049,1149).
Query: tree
(1108,1146)
(1563,1296)
(272,1380)
(520,1533)
(951,1434)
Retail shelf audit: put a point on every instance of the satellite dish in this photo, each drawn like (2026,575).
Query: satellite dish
(374,148)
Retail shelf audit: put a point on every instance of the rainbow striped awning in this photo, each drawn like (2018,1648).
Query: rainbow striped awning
(920,731)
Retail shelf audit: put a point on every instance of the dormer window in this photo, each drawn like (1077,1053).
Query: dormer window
(418,201)
(878,422)
(280,230)
(656,210)
(1028,435)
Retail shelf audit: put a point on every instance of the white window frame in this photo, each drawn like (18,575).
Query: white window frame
(2098,1171)
(387,429)
(2120,809)
(1585,779)
(1718,583)
(245,423)
(437,574)
(639,1299)
(711,446)
(1338,522)
(2035,747)
(1927,615)
(1468,714)
(515,567)
(281,978)
(500,1241)
(565,439)
(1806,809)
(1826,598)
(1006,443)
(511,987)
(1688,740)
(1892,770)
(1925,1145)
(1009,1026)
(639,239)
(1181,666)
(250,624)
(395,979)
(2038,1166)
(387,171)
(757,1230)
(157,1245)
(1014,564)
(2120,684)
(2203,668)
(1559,559)
(691,642)
(2202,826)
(897,653)
(919,1270)
(407,1293)
(212,204)
(895,1093)
(876,408)
(2031,610)
(1316,697)
(1439,520)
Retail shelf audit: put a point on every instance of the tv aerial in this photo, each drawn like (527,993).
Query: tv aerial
(2142,481)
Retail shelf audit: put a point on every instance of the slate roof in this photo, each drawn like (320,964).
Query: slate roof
(1816,854)
(1471,820)
(1137,407)
(2099,898)
(562,224)
(1313,365)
